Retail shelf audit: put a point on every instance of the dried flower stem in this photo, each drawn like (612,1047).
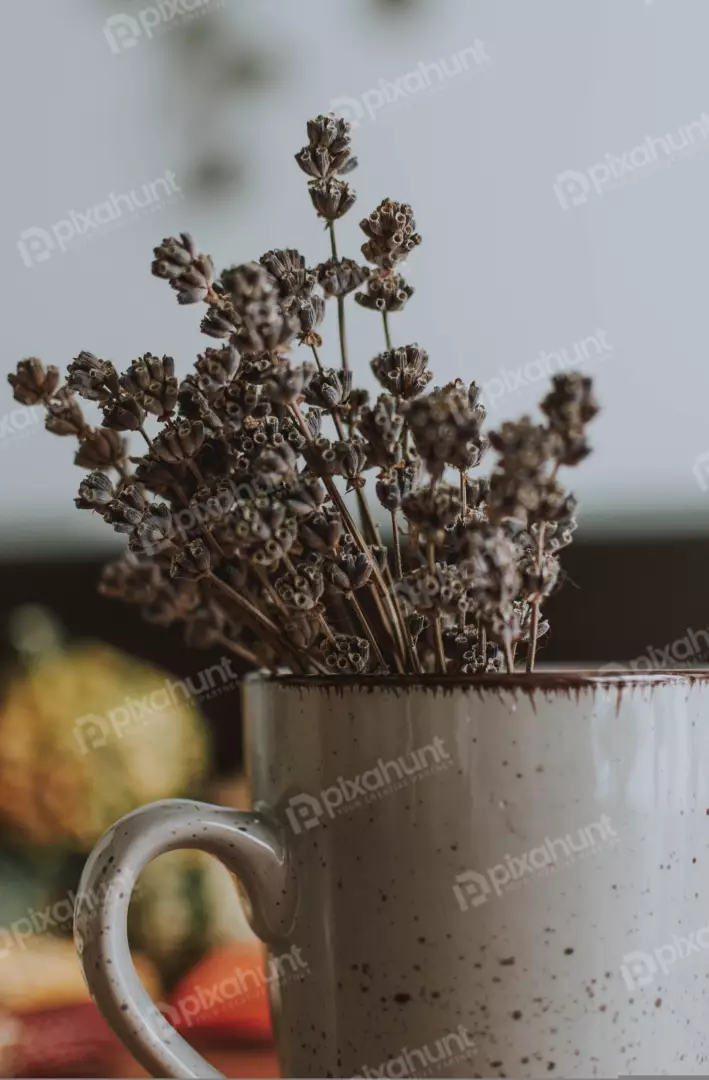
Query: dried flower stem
(391,623)
(239,650)
(263,578)
(343,335)
(463,494)
(509,655)
(397,546)
(536,603)
(368,631)
(437,632)
(316,356)
(145,435)
(368,520)
(326,629)
(387,335)
(288,563)
(405,440)
(333,241)
(410,646)
(267,628)
(213,544)
(244,603)
(369,524)
(340,303)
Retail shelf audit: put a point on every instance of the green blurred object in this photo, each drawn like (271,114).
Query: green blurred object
(185,903)
(87,734)
(29,883)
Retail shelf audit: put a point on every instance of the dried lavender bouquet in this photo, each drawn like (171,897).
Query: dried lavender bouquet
(236,515)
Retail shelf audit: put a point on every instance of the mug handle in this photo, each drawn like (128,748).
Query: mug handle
(248,844)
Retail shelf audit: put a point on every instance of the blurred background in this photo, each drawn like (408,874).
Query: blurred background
(557,158)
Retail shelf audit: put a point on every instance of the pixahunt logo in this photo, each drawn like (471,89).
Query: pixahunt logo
(238,986)
(403,87)
(37,244)
(93,731)
(20,420)
(384,778)
(55,918)
(574,188)
(592,348)
(456,1046)
(640,969)
(472,888)
(124,31)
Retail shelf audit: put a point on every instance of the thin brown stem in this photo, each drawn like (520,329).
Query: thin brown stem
(340,303)
(401,621)
(392,625)
(536,603)
(365,513)
(195,470)
(212,544)
(410,643)
(288,563)
(368,630)
(317,359)
(438,637)
(437,631)
(398,567)
(463,494)
(333,241)
(343,332)
(253,615)
(387,335)
(368,523)
(275,598)
(145,435)
(239,650)
(326,629)
(244,603)
(387,625)
(509,655)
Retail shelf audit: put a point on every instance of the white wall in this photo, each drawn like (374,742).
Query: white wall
(505,272)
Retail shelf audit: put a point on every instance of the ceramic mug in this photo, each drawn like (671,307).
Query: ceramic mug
(483,876)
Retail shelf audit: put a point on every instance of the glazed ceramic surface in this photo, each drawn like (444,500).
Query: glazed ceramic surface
(497,877)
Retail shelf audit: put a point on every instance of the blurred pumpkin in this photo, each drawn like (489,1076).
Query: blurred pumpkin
(87,734)
(184,904)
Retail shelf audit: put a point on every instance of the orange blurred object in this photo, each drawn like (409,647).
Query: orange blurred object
(226,995)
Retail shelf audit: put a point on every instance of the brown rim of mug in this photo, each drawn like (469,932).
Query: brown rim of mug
(561,679)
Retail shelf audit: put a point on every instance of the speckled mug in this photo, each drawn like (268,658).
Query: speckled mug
(491,876)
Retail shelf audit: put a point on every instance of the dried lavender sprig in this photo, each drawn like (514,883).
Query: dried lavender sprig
(252,427)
